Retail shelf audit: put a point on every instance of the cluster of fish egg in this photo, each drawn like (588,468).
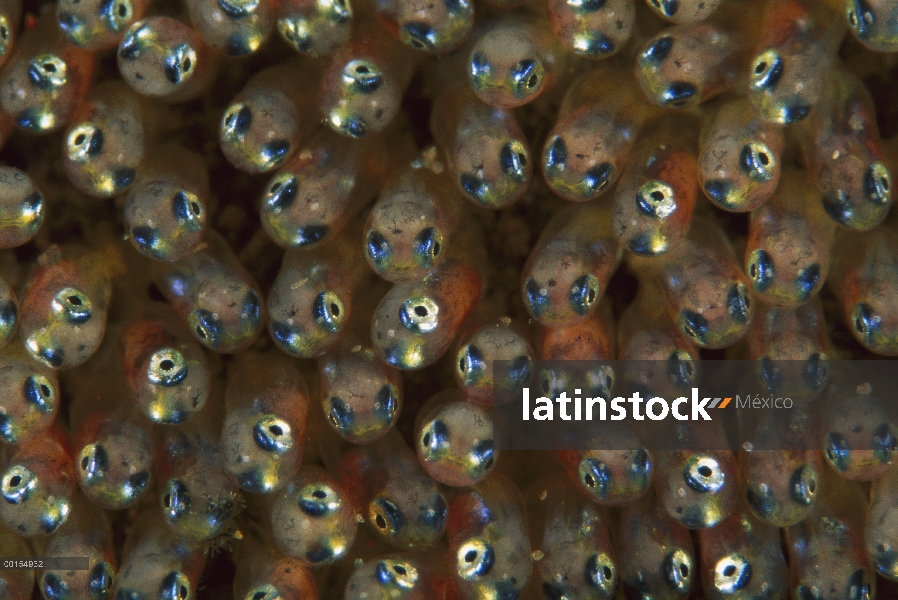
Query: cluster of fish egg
(420,189)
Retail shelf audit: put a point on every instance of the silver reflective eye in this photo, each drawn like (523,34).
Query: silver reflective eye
(174,586)
(180,64)
(85,142)
(93,461)
(396,574)
(480,71)
(48,71)
(167,368)
(101,579)
(878,184)
(803,485)
(474,559)
(362,77)
(668,8)
(428,246)
(595,476)
(419,35)
(837,451)
(757,161)
(766,70)
(386,516)
(273,434)
(176,500)
(703,474)
(18,484)
(40,393)
(434,440)
(732,573)
(318,500)
(73,306)
(419,314)
(5,35)
(471,364)
(329,311)
(266,591)
(584,293)
(553,382)
(656,199)
(760,270)
(298,31)
(527,77)
(235,123)
(599,381)
(188,210)
(118,14)
(482,457)
(513,160)
(239,8)
(600,573)
(677,568)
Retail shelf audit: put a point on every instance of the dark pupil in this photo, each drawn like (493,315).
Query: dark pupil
(761,66)
(16,480)
(166,365)
(470,556)
(657,196)
(729,571)
(319,494)
(381,522)
(420,311)
(276,430)
(705,471)
(49,67)
(400,570)
(80,139)
(75,300)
